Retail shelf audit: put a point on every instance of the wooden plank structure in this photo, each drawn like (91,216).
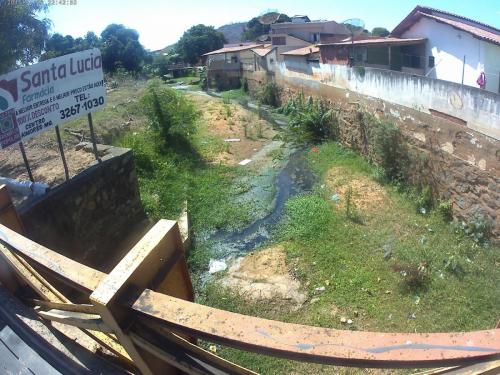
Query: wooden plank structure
(143,311)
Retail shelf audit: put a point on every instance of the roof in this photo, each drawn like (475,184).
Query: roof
(304,51)
(477,29)
(263,51)
(235,49)
(377,41)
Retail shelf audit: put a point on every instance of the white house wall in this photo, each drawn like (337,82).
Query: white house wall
(479,108)
(449,46)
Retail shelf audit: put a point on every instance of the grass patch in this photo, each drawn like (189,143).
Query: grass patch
(398,271)
(236,94)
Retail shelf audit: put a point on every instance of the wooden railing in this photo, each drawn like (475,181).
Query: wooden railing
(143,311)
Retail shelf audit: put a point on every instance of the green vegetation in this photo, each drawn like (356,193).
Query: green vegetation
(270,94)
(398,270)
(310,120)
(237,94)
(170,114)
(196,41)
(120,48)
(171,158)
(23,32)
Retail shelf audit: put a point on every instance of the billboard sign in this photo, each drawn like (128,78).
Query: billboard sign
(38,97)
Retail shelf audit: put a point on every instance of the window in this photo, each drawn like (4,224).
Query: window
(431,61)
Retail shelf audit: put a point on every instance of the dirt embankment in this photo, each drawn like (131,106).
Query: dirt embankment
(243,132)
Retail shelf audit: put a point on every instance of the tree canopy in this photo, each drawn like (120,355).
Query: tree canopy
(59,45)
(255,29)
(22,33)
(120,47)
(197,41)
(380,31)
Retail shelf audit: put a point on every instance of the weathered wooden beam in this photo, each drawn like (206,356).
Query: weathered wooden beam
(72,307)
(76,319)
(322,345)
(70,272)
(152,256)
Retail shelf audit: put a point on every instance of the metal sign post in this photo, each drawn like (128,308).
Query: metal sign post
(26,164)
(61,150)
(92,134)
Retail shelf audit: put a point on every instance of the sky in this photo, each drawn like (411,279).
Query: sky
(162,23)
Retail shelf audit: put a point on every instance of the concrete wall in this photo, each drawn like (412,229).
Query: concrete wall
(449,46)
(479,109)
(88,217)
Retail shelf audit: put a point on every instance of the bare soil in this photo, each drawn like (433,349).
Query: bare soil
(263,276)
(367,194)
(231,121)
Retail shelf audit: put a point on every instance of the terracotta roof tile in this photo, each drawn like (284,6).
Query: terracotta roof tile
(304,51)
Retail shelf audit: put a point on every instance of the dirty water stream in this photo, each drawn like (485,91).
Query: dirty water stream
(289,177)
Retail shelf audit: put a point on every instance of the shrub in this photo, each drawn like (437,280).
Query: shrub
(478,228)
(414,277)
(391,151)
(170,114)
(270,94)
(311,120)
(445,210)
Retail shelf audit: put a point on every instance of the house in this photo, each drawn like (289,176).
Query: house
(302,32)
(226,65)
(458,49)
(400,54)
(264,59)
(301,60)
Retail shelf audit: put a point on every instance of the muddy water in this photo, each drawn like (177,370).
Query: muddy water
(294,178)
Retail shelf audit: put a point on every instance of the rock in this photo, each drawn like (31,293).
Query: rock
(343,320)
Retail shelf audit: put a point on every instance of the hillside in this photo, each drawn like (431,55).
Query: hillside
(233,31)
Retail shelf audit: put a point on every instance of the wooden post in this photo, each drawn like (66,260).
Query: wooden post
(150,261)
(26,164)
(61,150)
(92,134)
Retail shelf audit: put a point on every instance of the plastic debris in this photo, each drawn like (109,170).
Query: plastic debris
(412,316)
(417,300)
(232,140)
(215,266)
(349,321)
(343,320)
(335,198)
(212,348)
(245,162)
(327,282)
(423,211)
(320,289)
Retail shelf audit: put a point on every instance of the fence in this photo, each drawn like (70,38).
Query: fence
(142,311)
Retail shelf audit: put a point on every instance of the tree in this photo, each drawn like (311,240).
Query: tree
(255,29)
(197,41)
(121,48)
(22,33)
(380,31)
